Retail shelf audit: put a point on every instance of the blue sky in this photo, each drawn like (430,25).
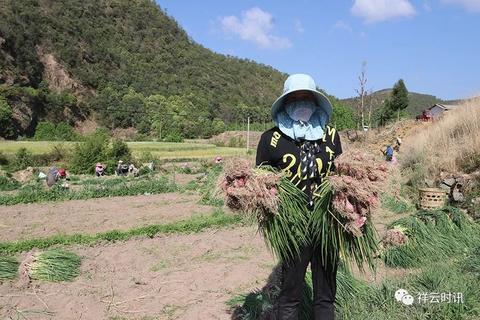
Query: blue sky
(434,45)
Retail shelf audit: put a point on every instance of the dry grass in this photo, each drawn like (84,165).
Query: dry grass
(449,145)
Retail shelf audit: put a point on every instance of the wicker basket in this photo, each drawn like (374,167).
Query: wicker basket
(432,198)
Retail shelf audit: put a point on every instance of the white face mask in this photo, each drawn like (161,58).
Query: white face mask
(300,110)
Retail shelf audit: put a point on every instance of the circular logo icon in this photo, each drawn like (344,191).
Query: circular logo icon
(399,294)
(407,300)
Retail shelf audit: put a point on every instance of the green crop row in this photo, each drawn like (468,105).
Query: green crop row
(36,193)
(194,224)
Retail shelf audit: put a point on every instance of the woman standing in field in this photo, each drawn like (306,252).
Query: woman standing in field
(304,147)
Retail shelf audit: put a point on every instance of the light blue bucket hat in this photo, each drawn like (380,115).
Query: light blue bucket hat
(297,82)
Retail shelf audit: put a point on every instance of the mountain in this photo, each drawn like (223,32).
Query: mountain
(417,101)
(122,63)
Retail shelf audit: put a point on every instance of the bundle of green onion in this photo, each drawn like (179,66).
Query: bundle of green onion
(285,221)
(8,267)
(55,265)
(328,231)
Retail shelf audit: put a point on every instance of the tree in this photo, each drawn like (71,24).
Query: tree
(158,113)
(131,109)
(88,152)
(65,132)
(45,130)
(6,125)
(395,103)
(119,150)
(362,93)
(343,117)
(106,103)
(399,98)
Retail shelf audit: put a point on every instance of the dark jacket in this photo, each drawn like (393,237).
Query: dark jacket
(282,152)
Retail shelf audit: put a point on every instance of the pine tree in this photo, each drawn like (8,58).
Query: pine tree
(399,98)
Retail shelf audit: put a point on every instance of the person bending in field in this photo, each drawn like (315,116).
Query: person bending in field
(54,175)
(122,168)
(388,153)
(304,147)
(99,169)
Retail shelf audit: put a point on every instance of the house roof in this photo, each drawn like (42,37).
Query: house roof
(444,106)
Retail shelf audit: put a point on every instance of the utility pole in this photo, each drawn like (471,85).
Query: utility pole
(248,132)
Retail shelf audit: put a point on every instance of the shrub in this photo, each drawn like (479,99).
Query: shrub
(85,154)
(3,159)
(58,152)
(48,131)
(141,137)
(23,159)
(174,137)
(119,150)
(6,126)
(7,184)
(97,148)
(45,130)
(65,132)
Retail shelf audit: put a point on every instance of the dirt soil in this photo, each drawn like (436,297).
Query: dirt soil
(167,277)
(24,221)
(376,139)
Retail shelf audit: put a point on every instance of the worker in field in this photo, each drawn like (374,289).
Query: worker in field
(398,143)
(388,153)
(54,175)
(303,146)
(99,169)
(122,168)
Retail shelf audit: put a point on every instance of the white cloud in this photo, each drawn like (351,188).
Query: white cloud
(298,26)
(471,5)
(341,25)
(381,10)
(255,25)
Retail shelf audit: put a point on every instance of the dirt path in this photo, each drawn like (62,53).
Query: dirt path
(168,277)
(25,221)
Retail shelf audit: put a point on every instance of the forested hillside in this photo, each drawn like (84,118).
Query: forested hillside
(123,63)
(416,101)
